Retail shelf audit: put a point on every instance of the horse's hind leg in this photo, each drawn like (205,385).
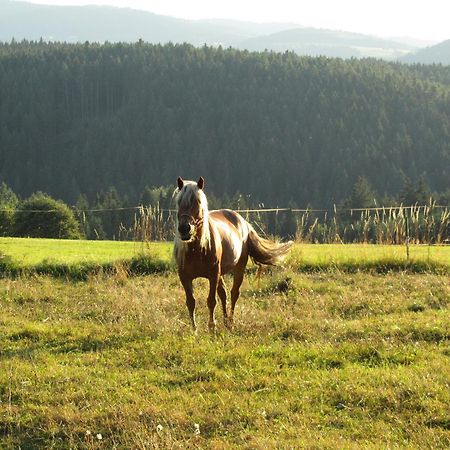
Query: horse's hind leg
(213,285)
(221,290)
(235,290)
(190,300)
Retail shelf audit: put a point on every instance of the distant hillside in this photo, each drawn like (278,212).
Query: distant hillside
(279,127)
(100,24)
(436,54)
(315,42)
(244,30)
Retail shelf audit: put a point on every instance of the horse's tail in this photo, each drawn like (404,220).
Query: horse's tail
(264,251)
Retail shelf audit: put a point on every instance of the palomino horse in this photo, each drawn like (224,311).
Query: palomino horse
(210,244)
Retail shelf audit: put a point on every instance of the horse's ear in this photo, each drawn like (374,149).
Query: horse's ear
(180,183)
(201,183)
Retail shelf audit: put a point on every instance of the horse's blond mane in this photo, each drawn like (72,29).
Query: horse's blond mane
(184,199)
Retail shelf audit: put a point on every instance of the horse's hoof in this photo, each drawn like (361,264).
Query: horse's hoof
(212,327)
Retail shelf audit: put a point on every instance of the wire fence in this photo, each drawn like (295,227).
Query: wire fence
(242,211)
(415,224)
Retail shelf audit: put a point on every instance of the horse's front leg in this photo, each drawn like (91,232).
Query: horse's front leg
(213,283)
(190,300)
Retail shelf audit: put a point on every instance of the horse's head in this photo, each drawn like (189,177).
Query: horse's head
(191,208)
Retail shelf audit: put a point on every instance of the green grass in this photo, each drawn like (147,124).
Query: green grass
(31,252)
(367,257)
(315,360)
(79,259)
(363,253)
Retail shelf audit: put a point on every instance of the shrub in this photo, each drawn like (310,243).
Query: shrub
(44,217)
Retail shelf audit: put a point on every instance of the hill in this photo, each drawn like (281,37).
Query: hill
(100,23)
(436,54)
(315,42)
(279,127)
(20,20)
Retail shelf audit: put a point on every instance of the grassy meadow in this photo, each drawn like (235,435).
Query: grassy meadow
(324,358)
(75,258)
(30,252)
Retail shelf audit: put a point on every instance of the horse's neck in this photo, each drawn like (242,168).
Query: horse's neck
(204,234)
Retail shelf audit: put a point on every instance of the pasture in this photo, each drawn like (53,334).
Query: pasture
(341,356)
(55,256)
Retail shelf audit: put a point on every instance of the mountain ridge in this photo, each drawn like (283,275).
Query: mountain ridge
(316,42)
(439,53)
(22,20)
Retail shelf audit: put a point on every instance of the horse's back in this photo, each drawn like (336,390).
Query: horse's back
(229,217)
(233,231)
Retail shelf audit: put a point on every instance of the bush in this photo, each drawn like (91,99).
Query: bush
(41,216)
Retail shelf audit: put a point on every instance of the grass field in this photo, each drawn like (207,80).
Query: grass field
(71,257)
(324,359)
(29,252)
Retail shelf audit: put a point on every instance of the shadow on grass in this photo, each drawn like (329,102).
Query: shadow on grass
(139,265)
(147,265)
(382,267)
(25,343)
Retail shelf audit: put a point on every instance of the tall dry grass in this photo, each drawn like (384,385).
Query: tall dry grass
(153,224)
(429,224)
(386,225)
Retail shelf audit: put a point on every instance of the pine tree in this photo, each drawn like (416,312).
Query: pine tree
(362,196)
(8,203)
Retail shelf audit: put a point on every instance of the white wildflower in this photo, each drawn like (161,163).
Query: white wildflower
(88,432)
(99,436)
(196,429)
(159,428)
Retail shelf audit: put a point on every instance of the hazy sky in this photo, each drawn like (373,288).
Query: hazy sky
(422,19)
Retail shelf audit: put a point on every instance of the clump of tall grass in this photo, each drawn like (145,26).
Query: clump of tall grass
(152,223)
(386,225)
(310,229)
(7,266)
(145,265)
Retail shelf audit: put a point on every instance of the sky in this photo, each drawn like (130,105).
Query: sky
(420,19)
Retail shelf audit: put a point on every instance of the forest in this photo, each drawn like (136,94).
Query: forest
(77,120)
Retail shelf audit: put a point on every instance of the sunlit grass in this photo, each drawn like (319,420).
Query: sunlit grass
(358,253)
(31,252)
(324,360)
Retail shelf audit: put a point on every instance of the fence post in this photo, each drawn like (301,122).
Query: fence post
(407,236)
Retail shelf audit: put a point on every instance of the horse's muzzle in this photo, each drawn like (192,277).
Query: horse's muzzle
(185,231)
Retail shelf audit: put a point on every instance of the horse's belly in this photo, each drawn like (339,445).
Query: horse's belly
(231,253)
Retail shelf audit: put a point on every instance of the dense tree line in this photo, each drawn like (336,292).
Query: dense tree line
(282,129)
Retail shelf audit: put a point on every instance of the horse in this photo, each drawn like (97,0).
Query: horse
(210,244)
